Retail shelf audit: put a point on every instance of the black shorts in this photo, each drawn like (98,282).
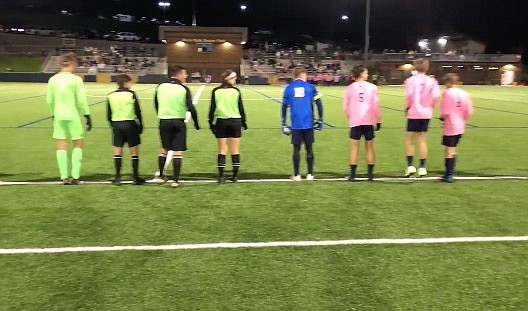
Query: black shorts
(228,128)
(306,136)
(125,132)
(418,125)
(362,130)
(173,134)
(451,141)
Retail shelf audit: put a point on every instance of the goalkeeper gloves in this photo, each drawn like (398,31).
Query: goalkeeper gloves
(140,128)
(378,126)
(286,130)
(318,125)
(212,127)
(244,125)
(88,122)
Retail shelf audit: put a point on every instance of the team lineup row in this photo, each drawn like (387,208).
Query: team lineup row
(227,119)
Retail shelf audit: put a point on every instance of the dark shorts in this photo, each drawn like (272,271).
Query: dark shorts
(125,132)
(451,141)
(228,128)
(173,134)
(417,125)
(298,137)
(362,130)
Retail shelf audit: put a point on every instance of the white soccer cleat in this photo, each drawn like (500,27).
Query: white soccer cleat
(411,170)
(310,177)
(296,178)
(422,171)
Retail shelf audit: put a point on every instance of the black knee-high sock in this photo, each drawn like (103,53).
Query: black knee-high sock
(310,158)
(422,162)
(370,169)
(235,159)
(135,166)
(221,164)
(177,164)
(296,159)
(410,160)
(161,163)
(450,166)
(118,164)
(353,168)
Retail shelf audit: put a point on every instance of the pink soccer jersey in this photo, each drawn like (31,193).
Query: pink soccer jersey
(456,108)
(361,104)
(421,93)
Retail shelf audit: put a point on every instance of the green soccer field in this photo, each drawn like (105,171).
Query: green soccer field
(421,276)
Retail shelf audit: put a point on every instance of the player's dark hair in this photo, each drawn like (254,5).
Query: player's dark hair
(451,79)
(225,75)
(122,79)
(175,70)
(358,70)
(68,59)
(421,65)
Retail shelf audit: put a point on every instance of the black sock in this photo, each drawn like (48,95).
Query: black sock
(235,159)
(410,160)
(161,163)
(450,166)
(422,162)
(176,164)
(221,164)
(296,159)
(353,168)
(309,159)
(371,169)
(135,166)
(118,165)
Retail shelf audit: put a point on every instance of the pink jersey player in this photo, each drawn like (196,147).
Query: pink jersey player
(361,104)
(455,110)
(421,94)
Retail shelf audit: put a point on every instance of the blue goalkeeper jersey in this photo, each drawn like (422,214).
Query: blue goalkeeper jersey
(299,96)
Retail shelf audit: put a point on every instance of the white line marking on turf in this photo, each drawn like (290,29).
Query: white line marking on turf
(230,245)
(208,181)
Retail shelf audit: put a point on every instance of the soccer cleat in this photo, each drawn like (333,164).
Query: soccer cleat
(76,182)
(296,178)
(233,179)
(138,181)
(66,182)
(117,181)
(422,171)
(447,178)
(175,185)
(351,178)
(411,170)
(370,177)
(310,177)
(221,180)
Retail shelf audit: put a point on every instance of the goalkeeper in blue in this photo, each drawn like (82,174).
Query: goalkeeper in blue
(299,96)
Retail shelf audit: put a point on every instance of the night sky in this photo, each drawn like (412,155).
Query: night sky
(396,24)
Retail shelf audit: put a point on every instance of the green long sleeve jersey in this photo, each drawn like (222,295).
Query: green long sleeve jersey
(66,97)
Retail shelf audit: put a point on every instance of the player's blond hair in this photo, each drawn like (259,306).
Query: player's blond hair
(297,72)
(421,65)
(451,79)
(68,59)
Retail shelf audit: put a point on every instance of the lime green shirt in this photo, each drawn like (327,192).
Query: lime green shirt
(122,105)
(172,100)
(226,103)
(66,97)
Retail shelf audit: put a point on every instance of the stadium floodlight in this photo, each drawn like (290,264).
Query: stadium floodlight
(164,4)
(424,44)
(442,42)
(243,42)
(180,43)
(344,17)
(227,44)
(243,7)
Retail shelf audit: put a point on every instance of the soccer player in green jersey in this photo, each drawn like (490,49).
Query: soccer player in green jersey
(67,100)
(228,112)
(172,100)
(122,112)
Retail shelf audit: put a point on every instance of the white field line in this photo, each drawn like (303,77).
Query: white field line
(229,245)
(207,181)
